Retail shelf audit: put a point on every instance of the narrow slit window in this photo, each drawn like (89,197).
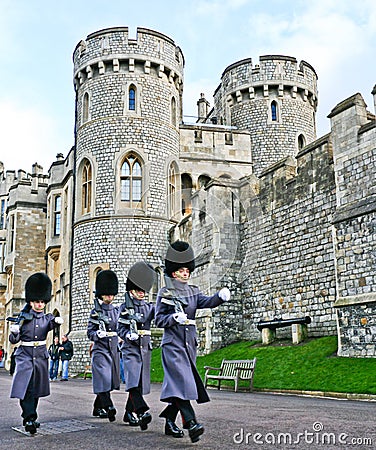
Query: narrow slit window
(274,111)
(57,215)
(132,99)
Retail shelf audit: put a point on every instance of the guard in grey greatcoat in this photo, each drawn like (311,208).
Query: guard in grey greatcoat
(135,318)
(175,312)
(31,380)
(101,330)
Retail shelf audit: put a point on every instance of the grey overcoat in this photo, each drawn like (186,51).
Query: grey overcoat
(137,354)
(179,344)
(105,358)
(32,361)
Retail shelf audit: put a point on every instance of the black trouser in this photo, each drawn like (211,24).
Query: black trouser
(136,402)
(184,406)
(29,403)
(103,401)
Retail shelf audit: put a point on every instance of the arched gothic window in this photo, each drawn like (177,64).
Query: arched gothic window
(274,111)
(172,190)
(132,98)
(85,108)
(87,180)
(301,142)
(131,179)
(173,111)
(186,194)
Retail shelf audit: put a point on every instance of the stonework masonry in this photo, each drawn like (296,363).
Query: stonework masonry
(286,220)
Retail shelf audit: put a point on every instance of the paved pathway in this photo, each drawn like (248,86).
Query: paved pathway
(231,420)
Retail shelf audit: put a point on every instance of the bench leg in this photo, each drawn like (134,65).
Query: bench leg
(299,332)
(268,336)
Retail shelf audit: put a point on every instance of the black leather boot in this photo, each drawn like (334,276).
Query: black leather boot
(111,413)
(144,420)
(101,413)
(131,419)
(171,429)
(195,430)
(30,427)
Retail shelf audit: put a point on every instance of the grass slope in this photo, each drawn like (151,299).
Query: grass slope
(311,366)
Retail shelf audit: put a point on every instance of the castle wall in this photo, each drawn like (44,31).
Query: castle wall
(354,135)
(288,265)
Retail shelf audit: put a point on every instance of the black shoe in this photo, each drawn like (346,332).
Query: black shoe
(37,424)
(101,413)
(144,419)
(171,429)
(111,413)
(195,430)
(30,427)
(131,419)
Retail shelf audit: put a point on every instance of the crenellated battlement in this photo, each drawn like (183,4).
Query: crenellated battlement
(243,81)
(112,51)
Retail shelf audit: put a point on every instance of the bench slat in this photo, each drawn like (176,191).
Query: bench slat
(234,370)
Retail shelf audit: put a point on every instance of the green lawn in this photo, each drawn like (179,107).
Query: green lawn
(312,366)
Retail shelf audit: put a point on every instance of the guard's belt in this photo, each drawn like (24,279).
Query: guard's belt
(33,343)
(189,322)
(144,332)
(111,333)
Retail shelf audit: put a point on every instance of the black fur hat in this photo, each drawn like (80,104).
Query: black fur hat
(141,276)
(179,254)
(106,283)
(38,287)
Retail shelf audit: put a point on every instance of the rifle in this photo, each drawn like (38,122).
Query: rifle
(171,298)
(129,311)
(102,318)
(23,315)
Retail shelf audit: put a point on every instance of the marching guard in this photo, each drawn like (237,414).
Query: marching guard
(134,322)
(31,377)
(101,330)
(176,307)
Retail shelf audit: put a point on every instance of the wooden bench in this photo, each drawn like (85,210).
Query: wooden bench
(232,370)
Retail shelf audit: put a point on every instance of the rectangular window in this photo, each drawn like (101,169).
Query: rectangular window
(2,255)
(136,190)
(2,212)
(125,190)
(12,233)
(57,215)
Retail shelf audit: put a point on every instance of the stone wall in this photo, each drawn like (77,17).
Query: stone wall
(354,134)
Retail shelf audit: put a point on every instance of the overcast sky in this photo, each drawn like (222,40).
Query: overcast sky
(37,39)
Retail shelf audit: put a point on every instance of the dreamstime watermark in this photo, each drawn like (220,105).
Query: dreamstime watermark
(316,437)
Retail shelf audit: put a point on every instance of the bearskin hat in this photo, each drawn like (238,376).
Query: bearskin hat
(141,276)
(38,287)
(106,283)
(179,254)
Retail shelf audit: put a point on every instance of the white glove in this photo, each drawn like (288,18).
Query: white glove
(131,336)
(101,334)
(224,294)
(59,320)
(180,317)
(13,328)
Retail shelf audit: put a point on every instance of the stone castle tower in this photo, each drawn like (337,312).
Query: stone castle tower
(128,110)
(276,100)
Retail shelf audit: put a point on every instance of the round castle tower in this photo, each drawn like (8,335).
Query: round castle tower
(276,100)
(128,109)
